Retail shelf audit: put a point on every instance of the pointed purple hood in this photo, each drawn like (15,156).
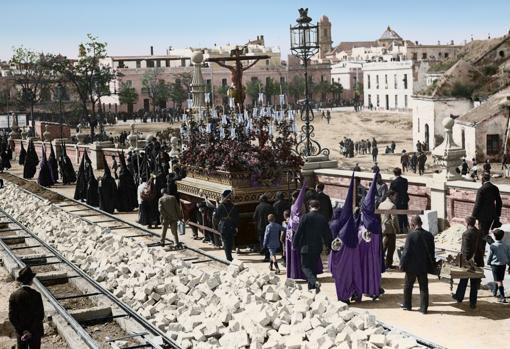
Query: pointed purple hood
(348,232)
(368,217)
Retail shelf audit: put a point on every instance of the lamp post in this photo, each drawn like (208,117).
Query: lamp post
(304,43)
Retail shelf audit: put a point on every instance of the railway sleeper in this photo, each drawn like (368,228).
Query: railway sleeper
(92,315)
(13,240)
(56,277)
(34,259)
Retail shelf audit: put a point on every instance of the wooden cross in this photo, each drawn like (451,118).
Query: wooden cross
(236,55)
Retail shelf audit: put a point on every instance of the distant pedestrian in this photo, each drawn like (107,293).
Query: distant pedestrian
(382,191)
(170,214)
(414,162)
(26,312)
(419,147)
(357,168)
(470,241)
(280,206)
(499,258)
(226,218)
(417,261)
(272,241)
(422,159)
(375,152)
(487,166)
(393,146)
(375,168)
(404,160)
(464,167)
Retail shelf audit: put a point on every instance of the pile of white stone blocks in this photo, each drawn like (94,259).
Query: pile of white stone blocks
(231,309)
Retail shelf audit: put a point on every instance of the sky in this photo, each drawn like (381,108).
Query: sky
(131,27)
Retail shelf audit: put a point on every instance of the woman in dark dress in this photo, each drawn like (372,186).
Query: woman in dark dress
(149,214)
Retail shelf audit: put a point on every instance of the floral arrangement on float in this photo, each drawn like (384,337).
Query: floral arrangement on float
(246,152)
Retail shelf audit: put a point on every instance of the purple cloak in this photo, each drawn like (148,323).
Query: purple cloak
(345,264)
(292,256)
(370,251)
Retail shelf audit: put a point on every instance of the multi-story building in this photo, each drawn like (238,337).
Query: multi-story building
(388,85)
(348,74)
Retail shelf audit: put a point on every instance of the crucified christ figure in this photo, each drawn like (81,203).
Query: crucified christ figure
(236,55)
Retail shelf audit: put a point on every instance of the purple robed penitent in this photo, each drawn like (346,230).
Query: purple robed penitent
(292,256)
(345,264)
(370,250)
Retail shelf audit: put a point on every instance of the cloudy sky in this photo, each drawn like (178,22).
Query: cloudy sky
(131,27)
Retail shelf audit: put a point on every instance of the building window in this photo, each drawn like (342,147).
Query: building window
(282,80)
(440,55)
(493,145)
(183,62)
(395,81)
(405,101)
(418,125)
(368,80)
(378,101)
(424,55)
(415,56)
(267,62)
(268,80)
(150,63)
(396,101)
(386,81)
(121,64)
(129,83)
(167,63)
(138,64)
(377,82)
(405,81)
(446,55)
(223,82)
(369,100)
(322,77)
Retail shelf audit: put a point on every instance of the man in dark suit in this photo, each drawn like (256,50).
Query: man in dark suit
(470,241)
(326,208)
(263,209)
(487,210)
(417,259)
(281,204)
(313,232)
(226,219)
(400,186)
(26,312)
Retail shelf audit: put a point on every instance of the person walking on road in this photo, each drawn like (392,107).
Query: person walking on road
(470,241)
(170,213)
(487,210)
(499,258)
(313,232)
(226,218)
(262,211)
(26,312)
(390,228)
(417,260)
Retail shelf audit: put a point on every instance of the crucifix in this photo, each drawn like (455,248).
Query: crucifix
(238,55)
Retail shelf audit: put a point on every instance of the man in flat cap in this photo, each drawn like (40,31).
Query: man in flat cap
(26,312)
(226,219)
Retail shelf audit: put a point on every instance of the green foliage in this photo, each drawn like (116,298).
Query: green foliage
(490,70)
(296,87)
(271,89)
(178,93)
(222,91)
(252,89)
(157,89)
(462,90)
(89,77)
(127,94)
(336,90)
(322,88)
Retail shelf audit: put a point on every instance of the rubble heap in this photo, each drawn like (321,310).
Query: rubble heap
(234,308)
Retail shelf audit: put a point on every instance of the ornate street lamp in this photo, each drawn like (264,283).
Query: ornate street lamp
(304,43)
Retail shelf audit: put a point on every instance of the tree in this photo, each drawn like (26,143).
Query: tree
(156,88)
(271,89)
(296,87)
(322,88)
(185,80)
(33,72)
(336,90)
(253,87)
(89,77)
(222,91)
(128,96)
(178,94)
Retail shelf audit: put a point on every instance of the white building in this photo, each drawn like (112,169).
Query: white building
(348,74)
(388,85)
(429,113)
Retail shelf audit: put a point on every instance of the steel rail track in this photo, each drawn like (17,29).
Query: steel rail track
(100,290)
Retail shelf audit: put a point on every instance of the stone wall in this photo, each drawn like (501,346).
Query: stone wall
(457,197)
